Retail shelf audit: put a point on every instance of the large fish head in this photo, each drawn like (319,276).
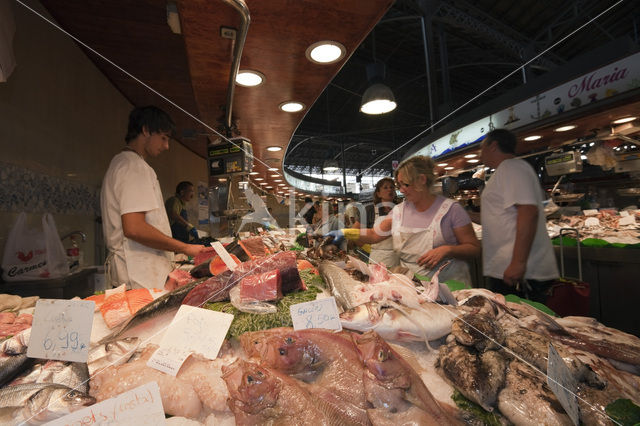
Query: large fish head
(281,349)
(382,361)
(251,388)
(54,401)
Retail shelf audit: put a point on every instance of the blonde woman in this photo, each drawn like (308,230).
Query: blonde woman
(426,229)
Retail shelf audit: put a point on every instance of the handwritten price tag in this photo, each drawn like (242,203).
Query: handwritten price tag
(192,330)
(61,330)
(139,406)
(563,384)
(321,313)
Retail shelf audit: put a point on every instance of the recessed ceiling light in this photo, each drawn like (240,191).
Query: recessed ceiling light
(274,148)
(254,173)
(565,128)
(532,138)
(291,106)
(269,187)
(470,155)
(273,169)
(277,180)
(442,164)
(262,183)
(624,120)
(258,178)
(249,78)
(473,160)
(282,184)
(275,175)
(222,179)
(325,52)
(449,168)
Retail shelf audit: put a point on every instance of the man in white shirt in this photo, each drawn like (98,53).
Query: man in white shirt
(134,219)
(517,253)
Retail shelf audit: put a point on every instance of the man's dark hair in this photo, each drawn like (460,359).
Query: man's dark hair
(506,140)
(151,117)
(183,186)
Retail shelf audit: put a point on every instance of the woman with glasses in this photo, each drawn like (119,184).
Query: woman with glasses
(426,230)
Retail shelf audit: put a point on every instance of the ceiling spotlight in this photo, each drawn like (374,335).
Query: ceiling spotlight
(470,155)
(273,169)
(277,180)
(449,168)
(249,78)
(442,164)
(291,106)
(325,52)
(624,120)
(282,184)
(262,183)
(254,173)
(473,160)
(258,178)
(269,187)
(274,148)
(275,175)
(565,128)
(532,138)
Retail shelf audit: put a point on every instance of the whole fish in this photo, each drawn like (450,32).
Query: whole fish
(479,331)
(391,384)
(116,352)
(163,304)
(327,362)
(260,395)
(402,324)
(12,365)
(340,283)
(39,403)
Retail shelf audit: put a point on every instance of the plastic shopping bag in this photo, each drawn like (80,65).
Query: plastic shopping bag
(32,254)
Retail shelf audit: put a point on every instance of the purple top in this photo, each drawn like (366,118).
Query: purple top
(454,218)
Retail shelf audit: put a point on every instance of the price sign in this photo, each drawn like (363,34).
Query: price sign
(139,406)
(61,330)
(321,313)
(192,330)
(563,384)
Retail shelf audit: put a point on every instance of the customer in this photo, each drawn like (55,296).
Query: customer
(176,207)
(517,251)
(426,229)
(134,220)
(384,199)
(308,210)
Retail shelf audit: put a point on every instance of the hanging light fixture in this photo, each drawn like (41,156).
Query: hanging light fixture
(378,98)
(330,166)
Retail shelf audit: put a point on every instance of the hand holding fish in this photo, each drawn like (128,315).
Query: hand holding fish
(434,256)
(338,236)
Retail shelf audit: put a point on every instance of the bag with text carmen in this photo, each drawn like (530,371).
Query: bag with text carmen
(34,254)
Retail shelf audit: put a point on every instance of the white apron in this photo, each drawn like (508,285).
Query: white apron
(383,251)
(411,243)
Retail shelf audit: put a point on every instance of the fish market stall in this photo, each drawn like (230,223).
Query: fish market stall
(409,351)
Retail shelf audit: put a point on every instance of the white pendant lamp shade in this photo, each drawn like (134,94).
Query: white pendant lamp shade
(330,166)
(378,99)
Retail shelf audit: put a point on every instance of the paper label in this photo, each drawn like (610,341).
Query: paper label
(627,220)
(321,313)
(563,384)
(61,330)
(260,229)
(624,213)
(139,406)
(224,255)
(192,330)
(591,212)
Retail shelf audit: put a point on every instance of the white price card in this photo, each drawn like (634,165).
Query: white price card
(61,330)
(590,212)
(563,384)
(321,313)
(260,230)
(224,255)
(192,330)
(139,406)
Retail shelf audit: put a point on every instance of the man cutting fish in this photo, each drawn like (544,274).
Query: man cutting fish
(134,219)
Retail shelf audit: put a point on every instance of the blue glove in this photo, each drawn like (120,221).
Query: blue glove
(338,236)
(194,233)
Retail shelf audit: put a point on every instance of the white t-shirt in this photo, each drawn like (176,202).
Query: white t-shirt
(131,185)
(513,182)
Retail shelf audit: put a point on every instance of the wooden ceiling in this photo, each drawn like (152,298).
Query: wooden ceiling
(188,74)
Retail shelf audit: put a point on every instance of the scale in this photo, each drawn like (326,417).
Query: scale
(563,163)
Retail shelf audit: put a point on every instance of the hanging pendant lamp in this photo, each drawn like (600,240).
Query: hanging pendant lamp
(378,98)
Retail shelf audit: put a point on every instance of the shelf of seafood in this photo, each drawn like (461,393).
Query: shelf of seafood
(404,351)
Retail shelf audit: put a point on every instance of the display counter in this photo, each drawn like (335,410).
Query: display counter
(77,284)
(612,274)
